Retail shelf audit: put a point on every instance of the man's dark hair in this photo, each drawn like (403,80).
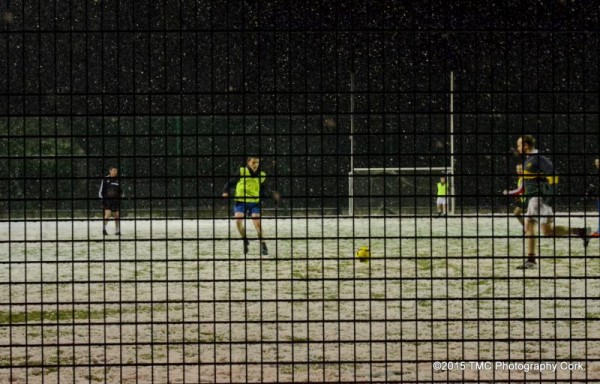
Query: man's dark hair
(111,168)
(248,158)
(529,140)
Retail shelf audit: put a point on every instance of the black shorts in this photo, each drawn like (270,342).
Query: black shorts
(111,205)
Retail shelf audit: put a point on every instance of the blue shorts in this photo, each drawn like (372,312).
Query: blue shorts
(247,209)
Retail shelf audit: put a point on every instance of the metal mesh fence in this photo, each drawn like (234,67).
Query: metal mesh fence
(176,180)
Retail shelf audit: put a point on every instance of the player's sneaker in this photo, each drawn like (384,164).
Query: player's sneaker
(246,246)
(527,265)
(263,249)
(595,234)
(583,233)
(118,233)
(104,232)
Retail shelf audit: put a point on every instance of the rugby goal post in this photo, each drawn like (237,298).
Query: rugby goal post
(449,171)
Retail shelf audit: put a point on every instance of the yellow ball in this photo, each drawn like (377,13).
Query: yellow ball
(363,254)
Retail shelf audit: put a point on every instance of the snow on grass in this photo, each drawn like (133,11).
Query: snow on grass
(173,299)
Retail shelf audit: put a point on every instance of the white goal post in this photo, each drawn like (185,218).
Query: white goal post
(448,171)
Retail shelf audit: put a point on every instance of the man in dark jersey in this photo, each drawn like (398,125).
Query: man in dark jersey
(250,187)
(538,180)
(111,194)
(594,191)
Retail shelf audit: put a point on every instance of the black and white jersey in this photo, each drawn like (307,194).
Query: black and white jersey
(110,189)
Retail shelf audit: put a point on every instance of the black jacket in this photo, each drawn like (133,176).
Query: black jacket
(110,189)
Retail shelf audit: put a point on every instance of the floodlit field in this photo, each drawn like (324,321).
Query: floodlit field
(177,301)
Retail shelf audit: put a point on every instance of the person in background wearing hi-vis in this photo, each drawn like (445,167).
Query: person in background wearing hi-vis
(250,188)
(518,193)
(442,199)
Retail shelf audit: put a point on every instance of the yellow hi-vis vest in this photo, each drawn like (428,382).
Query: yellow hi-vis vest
(442,189)
(247,189)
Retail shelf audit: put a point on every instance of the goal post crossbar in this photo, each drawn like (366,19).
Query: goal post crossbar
(393,171)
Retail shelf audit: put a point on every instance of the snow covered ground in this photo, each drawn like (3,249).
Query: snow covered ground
(177,301)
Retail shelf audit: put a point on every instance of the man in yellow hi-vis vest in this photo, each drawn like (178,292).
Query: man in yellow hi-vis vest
(442,200)
(249,189)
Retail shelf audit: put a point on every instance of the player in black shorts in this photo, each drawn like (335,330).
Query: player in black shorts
(539,179)
(111,194)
